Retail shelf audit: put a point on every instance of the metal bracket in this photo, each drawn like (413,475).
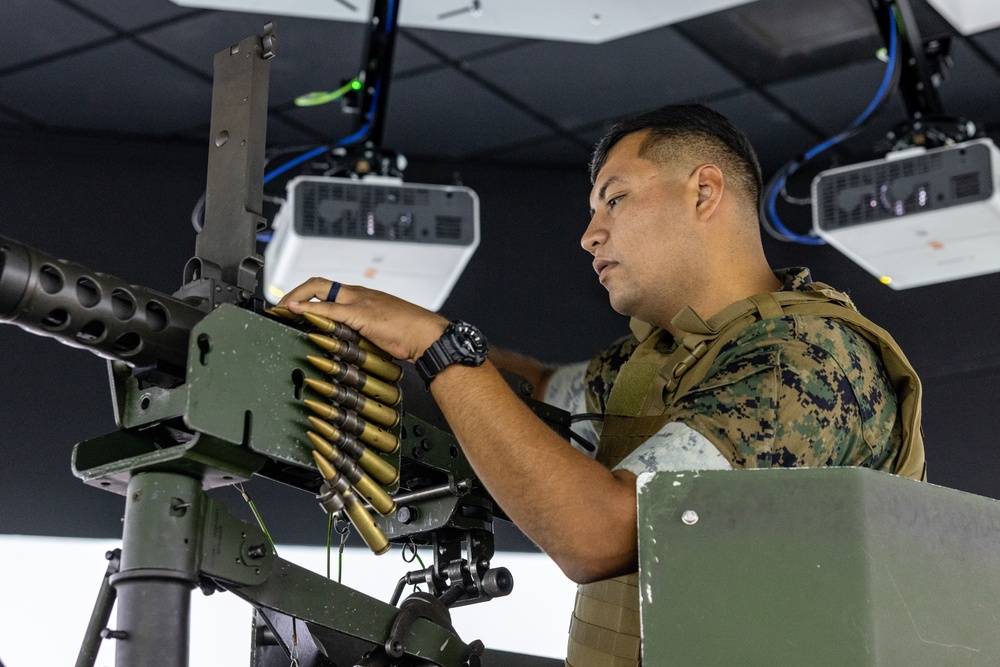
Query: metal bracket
(225,266)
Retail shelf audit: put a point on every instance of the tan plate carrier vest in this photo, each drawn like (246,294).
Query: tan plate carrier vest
(604,630)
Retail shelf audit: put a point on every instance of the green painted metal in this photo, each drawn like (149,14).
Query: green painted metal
(433,447)
(832,566)
(163,523)
(233,551)
(136,406)
(310,597)
(109,461)
(246,384)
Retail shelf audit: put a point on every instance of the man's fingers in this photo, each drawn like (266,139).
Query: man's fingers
(314,288)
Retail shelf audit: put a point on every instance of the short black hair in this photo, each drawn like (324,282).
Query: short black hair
(695,126)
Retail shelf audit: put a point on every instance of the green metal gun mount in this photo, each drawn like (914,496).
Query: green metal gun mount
(208,392)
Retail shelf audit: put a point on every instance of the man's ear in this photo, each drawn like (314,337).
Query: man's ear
(711,185)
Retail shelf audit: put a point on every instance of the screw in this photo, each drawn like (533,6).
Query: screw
(418,430)
(406,514)
(690,517)
(108,633)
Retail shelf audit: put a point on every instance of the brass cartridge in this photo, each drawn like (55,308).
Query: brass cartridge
(370,462)
(369,385)
(356,512)
(353,354)
(368,408)
(283,313)
(364,484)
(344,332)
(350,422)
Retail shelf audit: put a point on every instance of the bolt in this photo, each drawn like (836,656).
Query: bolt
(426,445)
(418,430)
(108,633)
(406,514)
(257,551)
(690,517)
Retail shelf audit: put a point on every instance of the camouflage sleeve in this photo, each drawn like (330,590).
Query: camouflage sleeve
(787,399)
(603,369)
(676,446)
(567,389)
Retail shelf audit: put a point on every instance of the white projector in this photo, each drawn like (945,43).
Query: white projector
(412,241)
(916,217)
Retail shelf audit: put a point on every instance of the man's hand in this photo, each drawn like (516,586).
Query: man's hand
(582,515)
(402,329)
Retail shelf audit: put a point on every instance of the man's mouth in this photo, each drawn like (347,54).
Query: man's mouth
(601,266)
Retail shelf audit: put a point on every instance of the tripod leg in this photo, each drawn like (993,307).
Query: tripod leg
(102,612)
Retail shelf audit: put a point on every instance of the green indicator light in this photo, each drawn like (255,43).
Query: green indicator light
(315,99)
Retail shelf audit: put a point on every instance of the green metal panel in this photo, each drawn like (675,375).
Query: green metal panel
(831,566)
(242,371)
(245,384)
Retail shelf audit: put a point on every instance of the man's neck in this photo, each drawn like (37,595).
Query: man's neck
(723,293)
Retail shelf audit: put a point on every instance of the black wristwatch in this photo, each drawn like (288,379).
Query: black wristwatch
(461,343)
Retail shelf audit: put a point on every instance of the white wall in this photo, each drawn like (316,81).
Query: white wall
(49,585)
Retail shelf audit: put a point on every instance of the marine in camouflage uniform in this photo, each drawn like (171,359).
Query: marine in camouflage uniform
(797,390)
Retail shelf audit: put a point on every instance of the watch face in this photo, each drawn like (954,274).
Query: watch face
(471,342)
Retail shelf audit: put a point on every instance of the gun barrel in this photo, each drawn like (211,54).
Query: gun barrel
(93,311)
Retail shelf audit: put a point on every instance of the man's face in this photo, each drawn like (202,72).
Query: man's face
(640,232)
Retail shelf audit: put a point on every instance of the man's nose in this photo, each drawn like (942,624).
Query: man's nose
(594,236)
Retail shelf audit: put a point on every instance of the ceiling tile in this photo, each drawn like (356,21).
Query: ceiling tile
(311,54)
(37,28)
(282,133)
(990,41)
(459,45)
(831,100)
(419,122)
(547,150)
(771,40)
(412,58)
(130,14)
(326,123)
(119,88)
(576,84)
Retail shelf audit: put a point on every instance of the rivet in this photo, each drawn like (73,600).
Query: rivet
(690,517)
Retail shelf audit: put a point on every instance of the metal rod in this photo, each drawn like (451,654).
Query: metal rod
(102,613)
(460,488)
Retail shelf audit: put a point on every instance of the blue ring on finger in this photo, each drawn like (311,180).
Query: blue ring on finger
(332,294)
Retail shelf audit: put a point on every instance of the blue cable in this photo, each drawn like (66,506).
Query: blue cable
(294,162)
(779,183)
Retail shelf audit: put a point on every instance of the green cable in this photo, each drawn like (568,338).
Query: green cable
(317,98)
(260,521)
(329,542)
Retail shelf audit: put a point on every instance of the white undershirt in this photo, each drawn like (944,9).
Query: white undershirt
(675,447)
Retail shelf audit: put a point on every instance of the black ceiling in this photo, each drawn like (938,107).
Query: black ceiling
(104,113)
(790,73)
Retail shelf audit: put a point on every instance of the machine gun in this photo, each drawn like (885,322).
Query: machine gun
(209,391)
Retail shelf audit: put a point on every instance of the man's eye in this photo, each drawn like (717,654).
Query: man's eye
(614,201)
